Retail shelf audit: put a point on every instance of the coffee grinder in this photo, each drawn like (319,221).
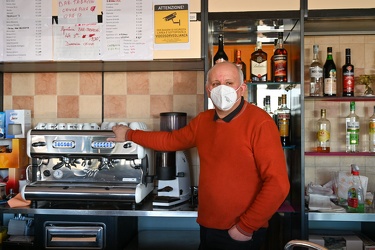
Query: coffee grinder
(172,168)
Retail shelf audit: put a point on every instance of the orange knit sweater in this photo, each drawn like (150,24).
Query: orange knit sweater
(243,175)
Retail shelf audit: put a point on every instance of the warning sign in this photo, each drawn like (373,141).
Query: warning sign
(171,23)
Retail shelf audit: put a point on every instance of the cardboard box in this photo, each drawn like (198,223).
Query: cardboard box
(17,123)
(350,242)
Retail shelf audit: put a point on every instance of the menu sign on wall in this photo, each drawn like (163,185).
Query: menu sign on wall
(65,30)
(77,32)
(27,30)
(127,30)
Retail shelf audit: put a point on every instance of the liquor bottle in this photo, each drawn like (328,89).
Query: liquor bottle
(347,76)
(273,61)
(356,201)
(258,64)
(267,105)
(316,74)
(371,131)
(352,130)
(280,61)
(241,64)
(329,70)
(323,132)
(283,121)
(220,55)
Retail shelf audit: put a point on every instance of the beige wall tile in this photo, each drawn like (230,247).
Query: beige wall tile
(45,83)
(161,83)
(160,103)
(8,102)
(68,107)
(90,108)
(115,83)
(185,103)
(90,83)
(7,84)
(23,84)
(68,83)
(45,107)
(115,107)
(138,83)
(200,83)
(184,82)
(138,106)
(23,102)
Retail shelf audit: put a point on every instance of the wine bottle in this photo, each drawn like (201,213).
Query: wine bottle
(220,55)
(329,70)
(371,131)
(347,76)
(258,64)
(316,74)
(352,130)
(283,121)
(323,132)
(241,64)
(280,61)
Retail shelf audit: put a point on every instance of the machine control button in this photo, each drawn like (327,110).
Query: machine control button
(58,174)
(63,144)
(102,145)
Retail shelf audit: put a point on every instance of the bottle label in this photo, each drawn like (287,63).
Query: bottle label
(371,127)
(284,128)
(330,85)
(352,198)
(353,132)
(348,81)
(316,72)
(323,135)
(258,69)
(280,65)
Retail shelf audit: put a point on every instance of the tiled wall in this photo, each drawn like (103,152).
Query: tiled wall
(126,96)
(363,58)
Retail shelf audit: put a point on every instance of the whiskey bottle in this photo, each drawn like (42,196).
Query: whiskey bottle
(258,64)
(371,131)
(352,130)
(220,55)
(283,121)
(280,61)
(316,74)
(323,132)
(241,64)
(347,76)
(329,71)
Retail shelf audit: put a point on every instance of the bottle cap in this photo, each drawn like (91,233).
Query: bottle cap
(329,49)
(347,52)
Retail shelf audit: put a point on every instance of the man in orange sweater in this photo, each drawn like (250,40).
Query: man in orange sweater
(243,175)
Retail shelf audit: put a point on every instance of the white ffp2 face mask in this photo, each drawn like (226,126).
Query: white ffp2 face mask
(224,97)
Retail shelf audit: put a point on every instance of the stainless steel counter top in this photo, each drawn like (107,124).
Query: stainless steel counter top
(104,209)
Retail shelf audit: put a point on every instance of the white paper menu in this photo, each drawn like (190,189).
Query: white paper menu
(127,30)
(77,32)
(27,30)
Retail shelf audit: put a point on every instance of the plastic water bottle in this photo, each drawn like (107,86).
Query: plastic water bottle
(356,199)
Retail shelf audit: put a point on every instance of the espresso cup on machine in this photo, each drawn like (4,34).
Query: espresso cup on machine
(41,125)
(61,126)
(51,126)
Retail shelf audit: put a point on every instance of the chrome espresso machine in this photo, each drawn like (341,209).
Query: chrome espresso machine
(82,166)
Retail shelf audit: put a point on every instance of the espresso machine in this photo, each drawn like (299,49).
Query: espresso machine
(172,168)
(81,165)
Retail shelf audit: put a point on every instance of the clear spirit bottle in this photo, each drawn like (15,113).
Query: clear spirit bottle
(352,130)
(316,74)
(323,133)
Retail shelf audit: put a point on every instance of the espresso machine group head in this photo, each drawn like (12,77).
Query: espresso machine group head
(172,168)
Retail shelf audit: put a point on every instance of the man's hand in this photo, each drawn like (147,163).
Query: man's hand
(120,133)
(237,235)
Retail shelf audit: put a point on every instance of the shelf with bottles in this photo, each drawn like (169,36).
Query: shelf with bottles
(315,153)
(340,98)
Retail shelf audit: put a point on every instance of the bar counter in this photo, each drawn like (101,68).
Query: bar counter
(145,208)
